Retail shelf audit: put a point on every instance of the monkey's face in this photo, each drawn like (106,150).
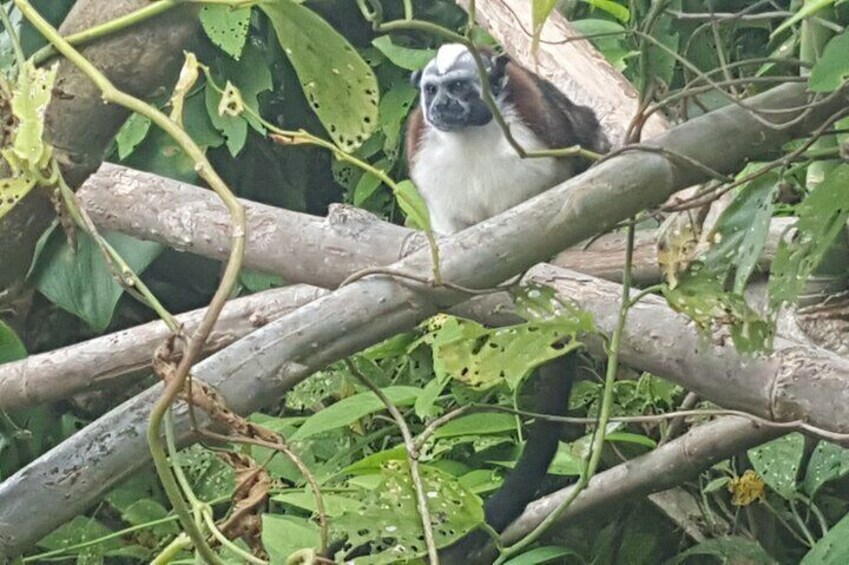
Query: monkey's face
(450,89)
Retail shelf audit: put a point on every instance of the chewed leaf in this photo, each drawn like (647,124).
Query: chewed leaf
(11,192)
(29,103)
(226,27)
(338,84)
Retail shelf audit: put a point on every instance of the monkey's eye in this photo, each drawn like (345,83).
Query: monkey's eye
(456,87)
(430,89)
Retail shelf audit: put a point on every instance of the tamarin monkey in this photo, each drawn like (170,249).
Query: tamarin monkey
(467,171)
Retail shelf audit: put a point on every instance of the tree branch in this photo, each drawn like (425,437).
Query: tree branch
(259,368)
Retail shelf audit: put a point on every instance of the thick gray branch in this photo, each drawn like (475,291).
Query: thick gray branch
(259,368)
(668,465)
(95,363)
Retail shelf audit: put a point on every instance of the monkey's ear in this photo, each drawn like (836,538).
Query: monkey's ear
(416,78)
(499,62)
(497,76)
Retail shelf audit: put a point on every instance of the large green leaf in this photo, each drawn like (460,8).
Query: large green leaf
(778,462)
(80,281)
(832,68)
(340,87)
(349,410)
(387,515)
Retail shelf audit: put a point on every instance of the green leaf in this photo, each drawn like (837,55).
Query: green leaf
(131,134)
(478,424)
(349,410)
(373,463)
(340,87)
(394,107)
(828,462)
(626,437)
(29,104)
(413,205)
(540,11)
(741,230)
(388,513)
(12,190)
(368,184)
(700,294)
(81,282)
(612,46)
(832,548)
(728,550)
(822,217)
(544,554)
(404,57)
(11,347)
(613,8)
(806,9)
(481,357)
(334,504)
(226,27)
(716,484)
(284,535)
(832,68)
(778,462)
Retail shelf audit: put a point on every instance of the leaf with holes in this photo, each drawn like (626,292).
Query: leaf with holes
(29,103)
(701,295)
(778,461)
(828,462)
(481,357)
(12,190)
(832,68)
(388,518)
(741,230)
(226,27)
(340,87)
(822,217)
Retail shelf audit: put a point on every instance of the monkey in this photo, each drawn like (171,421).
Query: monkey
(458,157)
(466,170)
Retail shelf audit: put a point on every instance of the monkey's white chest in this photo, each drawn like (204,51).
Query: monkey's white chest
(468,176)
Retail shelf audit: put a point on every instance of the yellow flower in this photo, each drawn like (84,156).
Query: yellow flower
(746,489)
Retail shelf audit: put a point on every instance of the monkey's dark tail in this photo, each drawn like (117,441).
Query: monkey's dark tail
(553,384)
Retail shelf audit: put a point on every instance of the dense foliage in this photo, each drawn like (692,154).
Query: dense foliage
(322,77)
